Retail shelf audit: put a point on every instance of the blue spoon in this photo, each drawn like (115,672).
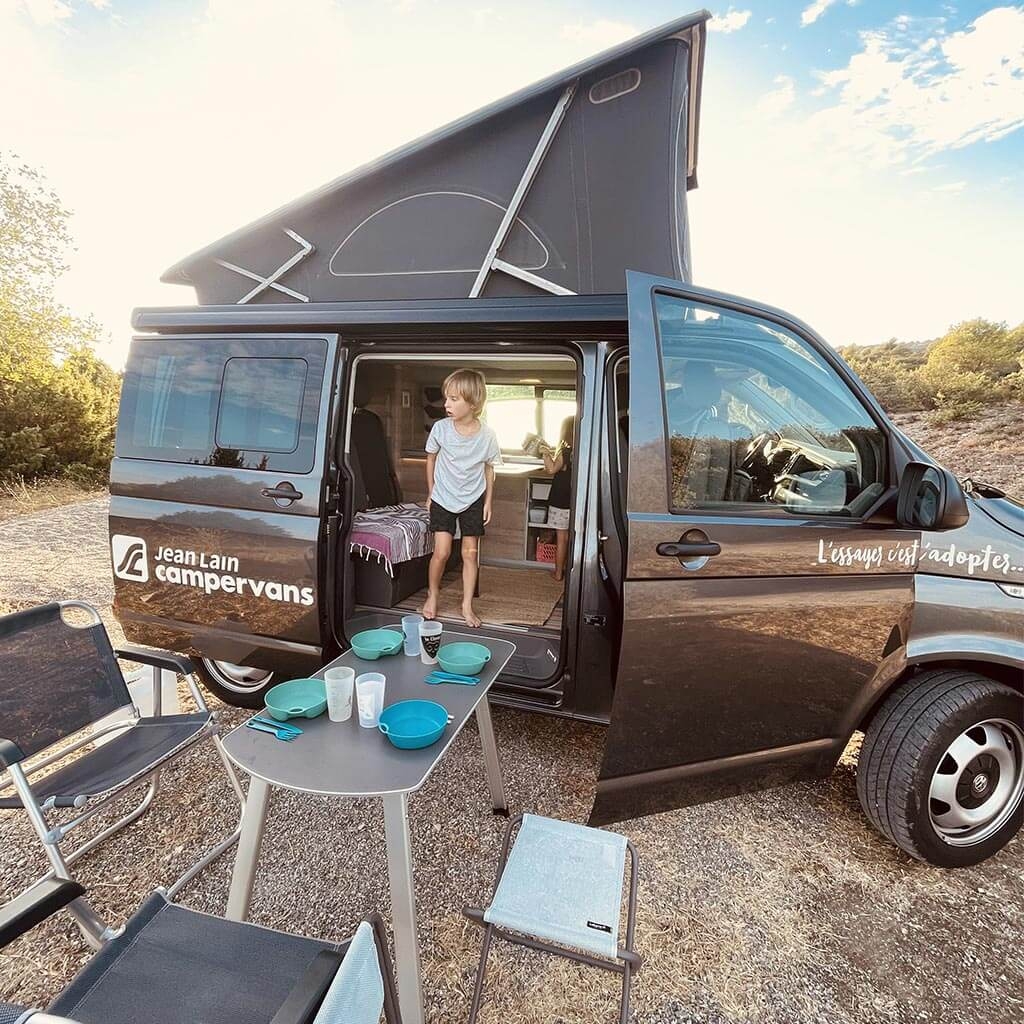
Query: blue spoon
(451,677)
(287,726)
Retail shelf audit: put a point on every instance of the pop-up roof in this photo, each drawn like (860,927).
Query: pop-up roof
(560,188)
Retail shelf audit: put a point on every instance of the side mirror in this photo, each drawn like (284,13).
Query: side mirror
(930,498)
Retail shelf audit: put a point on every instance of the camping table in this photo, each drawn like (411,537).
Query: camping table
(343,759)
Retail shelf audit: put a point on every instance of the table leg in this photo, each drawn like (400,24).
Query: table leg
(254,816)
(403,907)
(494,780)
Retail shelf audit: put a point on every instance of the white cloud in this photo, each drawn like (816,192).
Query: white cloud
(773,103)
(898,99)
(951,186)
(731,21)
(809,15)
(47,12)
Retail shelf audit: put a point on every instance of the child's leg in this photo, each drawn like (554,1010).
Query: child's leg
(470,567)
(442,549)
(561,553)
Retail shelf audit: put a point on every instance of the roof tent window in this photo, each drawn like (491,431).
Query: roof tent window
(614,86)
(261,404)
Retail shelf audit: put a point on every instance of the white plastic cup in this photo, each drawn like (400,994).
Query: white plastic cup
(370,698)
(430,641)
(338,683)
(411,629)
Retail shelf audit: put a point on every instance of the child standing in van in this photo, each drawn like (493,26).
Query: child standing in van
(558,462)
(461,455)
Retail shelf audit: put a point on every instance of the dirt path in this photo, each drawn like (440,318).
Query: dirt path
(782,907)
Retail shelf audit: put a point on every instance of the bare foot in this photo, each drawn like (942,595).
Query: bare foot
(429,609)
(470,616)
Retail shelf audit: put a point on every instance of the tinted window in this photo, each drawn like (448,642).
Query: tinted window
(261,402)
(756,417)
(240,403)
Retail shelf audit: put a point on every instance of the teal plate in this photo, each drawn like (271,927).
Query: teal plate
(372,644)
(464,659)
(298,698)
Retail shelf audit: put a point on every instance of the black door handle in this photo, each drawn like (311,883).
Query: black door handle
(695,550)
(283,492)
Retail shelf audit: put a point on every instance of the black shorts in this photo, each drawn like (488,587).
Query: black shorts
(470,520)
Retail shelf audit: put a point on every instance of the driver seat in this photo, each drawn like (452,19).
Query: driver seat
(704,442)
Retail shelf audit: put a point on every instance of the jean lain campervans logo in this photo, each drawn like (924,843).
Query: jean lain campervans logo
(130,557)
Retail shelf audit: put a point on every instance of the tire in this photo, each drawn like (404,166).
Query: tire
(950,734)
(237,685)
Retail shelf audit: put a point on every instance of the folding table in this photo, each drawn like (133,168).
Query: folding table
(343,759)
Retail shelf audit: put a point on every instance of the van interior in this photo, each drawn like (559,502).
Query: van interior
(395,400)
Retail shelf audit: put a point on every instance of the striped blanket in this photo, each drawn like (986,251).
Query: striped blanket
(392,533)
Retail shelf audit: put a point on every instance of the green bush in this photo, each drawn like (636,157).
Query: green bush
(58,399)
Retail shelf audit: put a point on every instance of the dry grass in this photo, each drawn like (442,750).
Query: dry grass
(18,497)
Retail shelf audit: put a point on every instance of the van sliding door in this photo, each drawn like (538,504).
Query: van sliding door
(216,495)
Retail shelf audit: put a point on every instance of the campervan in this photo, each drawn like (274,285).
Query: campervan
(760,563)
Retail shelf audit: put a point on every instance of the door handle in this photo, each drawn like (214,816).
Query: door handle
(679,549)
(283,492)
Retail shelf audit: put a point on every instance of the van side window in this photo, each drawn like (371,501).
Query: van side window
(236,403)
(755,416)
(261,402)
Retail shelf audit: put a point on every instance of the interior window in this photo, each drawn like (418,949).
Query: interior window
(755,416)
(516,411)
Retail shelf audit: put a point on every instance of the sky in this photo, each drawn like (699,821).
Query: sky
(861,163)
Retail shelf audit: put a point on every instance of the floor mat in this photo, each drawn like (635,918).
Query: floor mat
(523,597)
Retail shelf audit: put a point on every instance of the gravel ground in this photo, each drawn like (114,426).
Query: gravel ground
(781,907)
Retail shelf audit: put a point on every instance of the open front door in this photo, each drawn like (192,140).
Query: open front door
(758,605)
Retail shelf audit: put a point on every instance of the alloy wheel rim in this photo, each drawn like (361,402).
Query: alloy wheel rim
(237,678)
(978,782)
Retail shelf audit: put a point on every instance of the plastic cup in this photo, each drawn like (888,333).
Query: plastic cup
(430,641)
(370,698)
(411,629)
(338,683)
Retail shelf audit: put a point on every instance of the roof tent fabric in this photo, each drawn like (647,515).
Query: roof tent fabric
(560,188)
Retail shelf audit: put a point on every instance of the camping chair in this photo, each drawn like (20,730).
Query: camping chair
(562,883)
(172,965)
(56,679)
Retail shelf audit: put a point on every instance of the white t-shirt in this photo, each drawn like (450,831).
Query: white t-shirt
(459,469)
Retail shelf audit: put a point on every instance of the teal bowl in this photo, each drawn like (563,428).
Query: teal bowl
(413,724)
(298,698)
(464,659)
(372,644)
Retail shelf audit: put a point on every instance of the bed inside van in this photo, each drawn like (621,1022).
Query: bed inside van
(394,400)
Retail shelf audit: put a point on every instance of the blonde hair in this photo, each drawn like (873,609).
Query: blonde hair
(470,386)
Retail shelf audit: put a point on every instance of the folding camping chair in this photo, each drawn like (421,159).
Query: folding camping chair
(562,883)
(58,678)
(172,965)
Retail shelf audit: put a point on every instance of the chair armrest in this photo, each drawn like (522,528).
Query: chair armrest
(41,1017)
(10,753)
(158,659)
(304,1000)
(34,905)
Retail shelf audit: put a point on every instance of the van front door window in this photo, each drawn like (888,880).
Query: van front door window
(755,416)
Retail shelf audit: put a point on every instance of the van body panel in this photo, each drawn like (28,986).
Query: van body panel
(965,619)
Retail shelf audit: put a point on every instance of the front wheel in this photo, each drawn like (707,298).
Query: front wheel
(239,685)
(941,771)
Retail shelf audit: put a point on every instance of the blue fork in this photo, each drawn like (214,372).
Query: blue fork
(281,734)
(274,724)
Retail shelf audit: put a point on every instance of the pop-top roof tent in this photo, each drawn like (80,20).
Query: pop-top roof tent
(560,187)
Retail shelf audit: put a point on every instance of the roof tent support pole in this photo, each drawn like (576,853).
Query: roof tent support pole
(522,188)
(524,275)
(305,248)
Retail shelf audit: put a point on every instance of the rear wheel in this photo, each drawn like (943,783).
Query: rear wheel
(239,685)
(941,771)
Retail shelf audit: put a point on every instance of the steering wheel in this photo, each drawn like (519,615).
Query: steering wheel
(764,444)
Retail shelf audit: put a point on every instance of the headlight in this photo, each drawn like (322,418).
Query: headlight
(1013,589)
